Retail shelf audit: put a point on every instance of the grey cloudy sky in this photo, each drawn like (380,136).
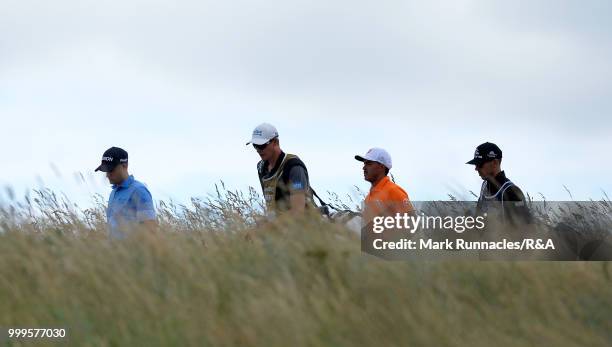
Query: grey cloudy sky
(181,84)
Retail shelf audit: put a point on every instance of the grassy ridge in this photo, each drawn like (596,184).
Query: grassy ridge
(303,284)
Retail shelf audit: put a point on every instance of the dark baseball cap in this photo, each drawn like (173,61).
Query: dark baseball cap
(486,152)
(111,158)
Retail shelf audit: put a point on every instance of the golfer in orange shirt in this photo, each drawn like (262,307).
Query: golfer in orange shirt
(385,197)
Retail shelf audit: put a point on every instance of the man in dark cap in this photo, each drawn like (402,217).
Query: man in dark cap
(130,203)
(497,190)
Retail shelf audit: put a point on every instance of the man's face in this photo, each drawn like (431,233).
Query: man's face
(116,176)
(488,169)
(373,170)
(266,151)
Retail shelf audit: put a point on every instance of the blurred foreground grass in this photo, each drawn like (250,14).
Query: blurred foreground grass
(303,283)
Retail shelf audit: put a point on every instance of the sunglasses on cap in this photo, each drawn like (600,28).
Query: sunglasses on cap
(262,147)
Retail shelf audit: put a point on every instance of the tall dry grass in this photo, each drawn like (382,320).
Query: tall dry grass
(216,275)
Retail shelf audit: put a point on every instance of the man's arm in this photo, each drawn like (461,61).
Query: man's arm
(145,209)
(298,203)
(516,207)
(298,185)
(400,203)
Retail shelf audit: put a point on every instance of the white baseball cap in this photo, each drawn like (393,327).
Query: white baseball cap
(378,155)
(263,133)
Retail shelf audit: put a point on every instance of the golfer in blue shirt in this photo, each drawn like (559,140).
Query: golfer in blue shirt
(130,204)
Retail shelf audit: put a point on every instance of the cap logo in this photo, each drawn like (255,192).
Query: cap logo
(477,155)
(123,160)
(107,159)
(257,132)
(492,155)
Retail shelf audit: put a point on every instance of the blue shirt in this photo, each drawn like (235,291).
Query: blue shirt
(129,203)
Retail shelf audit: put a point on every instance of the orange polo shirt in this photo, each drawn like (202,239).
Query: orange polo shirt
(388,197)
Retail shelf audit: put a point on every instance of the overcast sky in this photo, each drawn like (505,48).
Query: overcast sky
(181,84)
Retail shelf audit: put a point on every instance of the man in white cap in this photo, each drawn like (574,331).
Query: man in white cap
(283,177)
(385,197)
